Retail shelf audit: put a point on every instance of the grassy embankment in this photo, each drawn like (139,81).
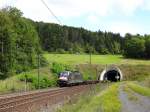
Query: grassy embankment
(17,82)
(101,101)
(145,91)
(132,87)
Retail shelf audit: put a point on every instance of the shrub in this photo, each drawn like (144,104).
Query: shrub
(135,48)
(147,48)
(58,67)
(27,77)
(61,51)
(44,81)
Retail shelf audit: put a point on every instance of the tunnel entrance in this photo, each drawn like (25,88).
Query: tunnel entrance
(112,76)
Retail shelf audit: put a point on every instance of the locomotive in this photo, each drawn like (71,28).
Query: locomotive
(70,78)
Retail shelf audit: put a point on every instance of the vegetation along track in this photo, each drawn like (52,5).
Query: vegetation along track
(25,102)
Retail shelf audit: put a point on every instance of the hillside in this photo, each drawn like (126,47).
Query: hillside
(23,41)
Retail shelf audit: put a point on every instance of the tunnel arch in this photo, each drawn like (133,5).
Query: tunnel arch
(112,74)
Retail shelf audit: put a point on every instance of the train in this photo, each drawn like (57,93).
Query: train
(71,78)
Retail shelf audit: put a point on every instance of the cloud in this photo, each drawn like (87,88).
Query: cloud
(69,10)
(72,8)
(128,7)
(34,9)
(75,8)
(124,27)
(4,3)
(92,19)
(146,5)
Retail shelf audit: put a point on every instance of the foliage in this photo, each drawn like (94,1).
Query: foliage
(134,48)
(18,82)
(89,72)
(77,40)
(19,43)
(61,51)
(58,67)
(137,46)
(147,47)
(44,81)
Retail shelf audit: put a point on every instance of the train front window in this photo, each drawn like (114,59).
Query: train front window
(64,74)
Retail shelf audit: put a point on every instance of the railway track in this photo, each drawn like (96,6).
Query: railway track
(26,101)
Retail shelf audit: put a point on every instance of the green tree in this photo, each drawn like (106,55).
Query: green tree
(135,47)
(147,47)
(19,43)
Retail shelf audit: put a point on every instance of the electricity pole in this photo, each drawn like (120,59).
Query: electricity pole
(90,55)
(90,58)
(38,70)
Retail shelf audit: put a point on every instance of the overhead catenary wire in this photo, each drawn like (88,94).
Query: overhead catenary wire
(52,13)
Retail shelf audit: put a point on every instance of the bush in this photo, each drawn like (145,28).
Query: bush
(147,47)
(135,48)
(27,77)
(104,51)
(61,51)
(58,67)
(44,81)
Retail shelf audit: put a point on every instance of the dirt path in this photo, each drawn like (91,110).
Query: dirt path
(140,104)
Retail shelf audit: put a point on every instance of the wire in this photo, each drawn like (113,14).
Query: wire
(51,11)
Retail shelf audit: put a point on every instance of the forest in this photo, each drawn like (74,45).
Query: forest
(23,41)
(64,39)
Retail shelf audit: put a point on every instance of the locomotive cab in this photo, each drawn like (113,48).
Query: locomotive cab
(63,78)
(68,78)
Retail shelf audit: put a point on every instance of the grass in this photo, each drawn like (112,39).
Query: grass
(82,58)
(139,89)
(146,82)
(90,71)
(75,59)
(134,61)
(11,85)
(101,102)
(135,72)
(109,95)
(130,93)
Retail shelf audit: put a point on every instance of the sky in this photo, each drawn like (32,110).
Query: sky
(118,16)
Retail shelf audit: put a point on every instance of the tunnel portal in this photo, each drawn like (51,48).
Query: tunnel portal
(112,74)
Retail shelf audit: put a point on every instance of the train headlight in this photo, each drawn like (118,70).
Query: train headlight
(63,78)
